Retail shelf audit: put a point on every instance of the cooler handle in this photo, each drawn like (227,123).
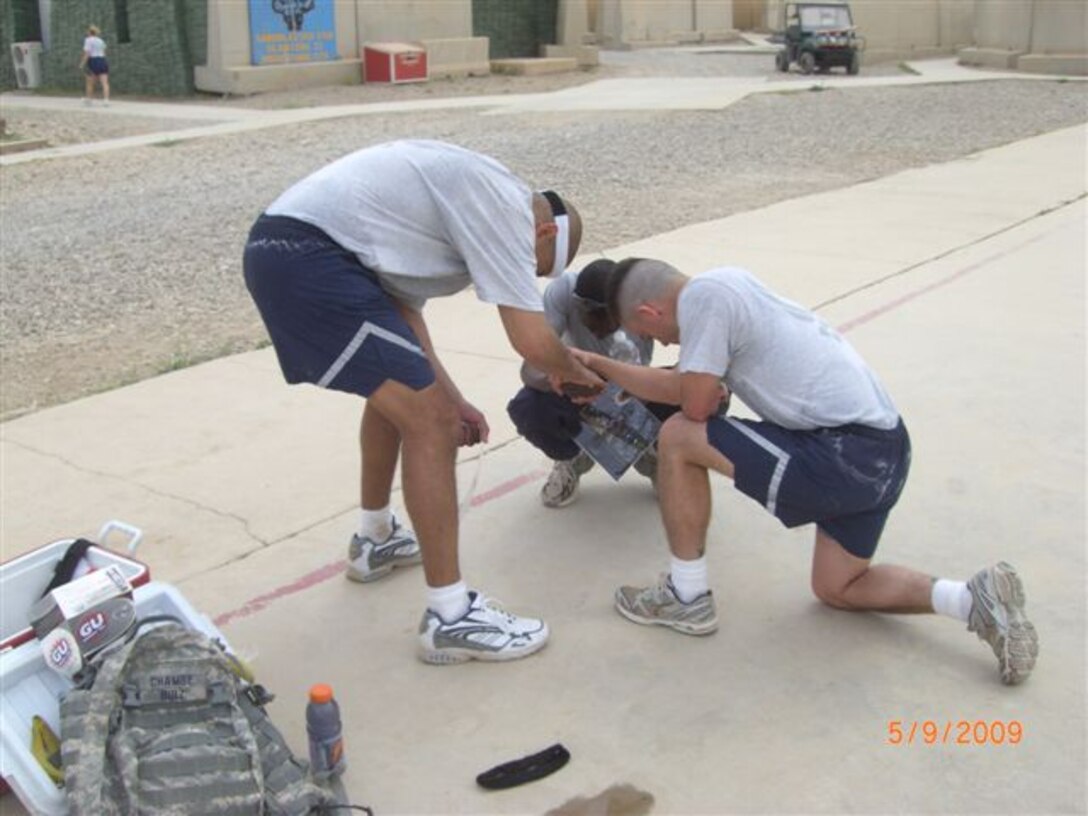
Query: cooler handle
(135,534)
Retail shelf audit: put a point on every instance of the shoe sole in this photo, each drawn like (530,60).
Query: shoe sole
(359,577)
(553,505)
(449,657)
(685,628)
(1010,592)
(559,505)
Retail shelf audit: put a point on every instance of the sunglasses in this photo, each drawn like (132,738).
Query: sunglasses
(587,304)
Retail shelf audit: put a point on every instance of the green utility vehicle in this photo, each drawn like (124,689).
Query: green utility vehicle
(818,37)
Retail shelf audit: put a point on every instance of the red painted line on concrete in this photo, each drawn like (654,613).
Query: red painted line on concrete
(254,605)
(506,487)
(892,305)
(322,574)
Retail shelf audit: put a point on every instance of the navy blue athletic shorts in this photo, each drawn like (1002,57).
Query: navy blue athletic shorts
(845,479)
(330,321)
(98,66)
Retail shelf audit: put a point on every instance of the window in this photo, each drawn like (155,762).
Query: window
(120,11)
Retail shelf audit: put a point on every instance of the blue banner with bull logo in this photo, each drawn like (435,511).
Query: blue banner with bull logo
(283,32)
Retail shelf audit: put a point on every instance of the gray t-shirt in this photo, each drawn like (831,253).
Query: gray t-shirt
(429,218)
(780,359)
(561,312)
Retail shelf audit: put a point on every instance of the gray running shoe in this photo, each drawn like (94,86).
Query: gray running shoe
(997,616)
(485,632)
(562,485)
(659,605)
(369,560)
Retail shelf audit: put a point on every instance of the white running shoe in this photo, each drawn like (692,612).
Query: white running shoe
(369,560)
(562,485)
(485,632)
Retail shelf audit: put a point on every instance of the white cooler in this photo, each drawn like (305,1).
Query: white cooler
(28,687)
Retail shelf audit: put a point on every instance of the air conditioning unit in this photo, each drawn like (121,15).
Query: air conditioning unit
(27,57)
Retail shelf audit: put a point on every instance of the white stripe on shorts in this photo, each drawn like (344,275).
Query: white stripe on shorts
(367,329)
(775,451)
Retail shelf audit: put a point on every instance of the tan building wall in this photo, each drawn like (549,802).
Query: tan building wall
(1038,36)
(628,23)
(912,29)
(413,20)
(1059,27)
(750,15)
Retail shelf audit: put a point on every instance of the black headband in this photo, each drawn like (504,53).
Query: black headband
(555,202)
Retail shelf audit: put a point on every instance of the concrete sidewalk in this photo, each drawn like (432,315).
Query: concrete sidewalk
(642,93)
(962,284)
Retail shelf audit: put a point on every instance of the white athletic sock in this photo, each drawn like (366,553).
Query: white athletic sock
(951,598)
(689,578)
(449,602)
(376,524)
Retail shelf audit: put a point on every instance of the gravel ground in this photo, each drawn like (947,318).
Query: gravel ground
(123,265)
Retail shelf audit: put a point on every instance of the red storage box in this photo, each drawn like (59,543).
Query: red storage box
(394,62)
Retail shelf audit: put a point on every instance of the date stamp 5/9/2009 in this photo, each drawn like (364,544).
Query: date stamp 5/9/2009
(955,732)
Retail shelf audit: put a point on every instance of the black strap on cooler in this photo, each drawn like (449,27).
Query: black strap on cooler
(66,567)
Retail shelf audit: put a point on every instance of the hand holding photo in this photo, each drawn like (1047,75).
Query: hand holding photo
(616,430)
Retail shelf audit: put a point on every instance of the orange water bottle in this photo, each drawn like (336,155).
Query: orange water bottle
(325,732)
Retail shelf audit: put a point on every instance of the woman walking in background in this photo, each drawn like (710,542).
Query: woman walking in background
(94,66)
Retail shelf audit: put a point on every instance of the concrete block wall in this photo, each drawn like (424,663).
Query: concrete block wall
(414,20)
(457,56)
(912,30)
(1036,36)
(634,23)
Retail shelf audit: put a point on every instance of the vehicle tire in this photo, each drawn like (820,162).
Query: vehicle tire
(782,61)
(855,64)
(807,62)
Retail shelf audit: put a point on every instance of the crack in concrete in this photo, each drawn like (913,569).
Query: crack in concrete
(948,252)
(138,484)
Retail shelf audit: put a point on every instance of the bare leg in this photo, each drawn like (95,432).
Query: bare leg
(429,429)
(845,581)
(88,86)
(104,81)
(379,448)
(684,459)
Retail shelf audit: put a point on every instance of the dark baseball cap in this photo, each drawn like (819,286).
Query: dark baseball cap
(591,293)
(592,285)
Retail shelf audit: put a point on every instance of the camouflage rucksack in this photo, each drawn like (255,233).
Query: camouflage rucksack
(168,726)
